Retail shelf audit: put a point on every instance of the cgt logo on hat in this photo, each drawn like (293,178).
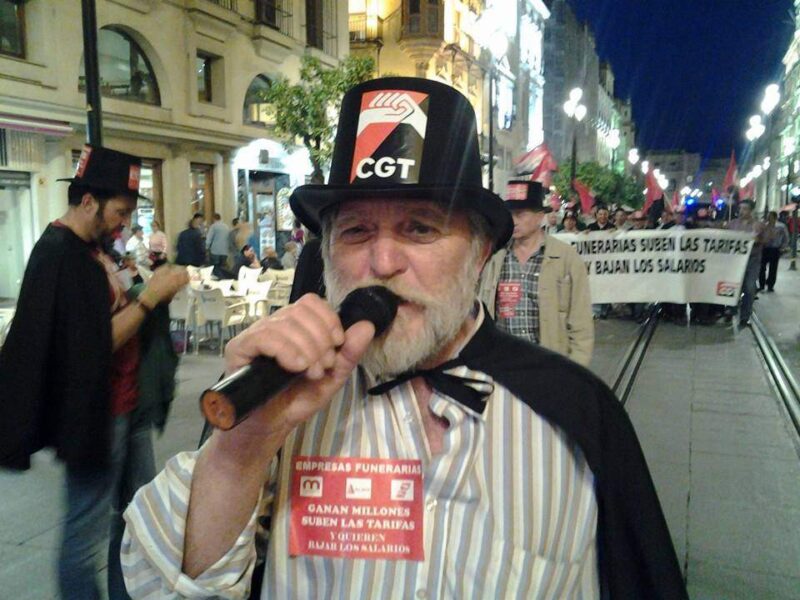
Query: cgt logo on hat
(405,138)
(390,137)
(108,170)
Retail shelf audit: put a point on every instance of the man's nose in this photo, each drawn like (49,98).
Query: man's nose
(387,257)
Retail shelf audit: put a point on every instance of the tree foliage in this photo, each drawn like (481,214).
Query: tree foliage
(307,111)
(610,186)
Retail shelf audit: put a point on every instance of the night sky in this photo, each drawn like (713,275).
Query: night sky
(694,69)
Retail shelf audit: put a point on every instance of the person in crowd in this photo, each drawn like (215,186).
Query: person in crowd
(776,240)
(68,368)
(190,248)
(246,258)
(442,393)
(601,222)
(233,240)
(569,224)
(159,245)
(536,287)
(638,220)
(271,260)
(668,220)
(621,222)
(217,242)
(748,223)
(290,253)
(137,247)
(298,235)
(551,224)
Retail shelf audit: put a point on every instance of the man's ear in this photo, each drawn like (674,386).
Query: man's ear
(88,202)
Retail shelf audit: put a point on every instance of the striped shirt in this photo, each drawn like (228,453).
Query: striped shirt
(517,303)
(509,508)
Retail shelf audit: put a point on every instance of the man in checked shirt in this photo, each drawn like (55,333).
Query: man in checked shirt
(444,459)
(536,287)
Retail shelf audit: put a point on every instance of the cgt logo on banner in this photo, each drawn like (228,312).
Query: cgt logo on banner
(390,136)
(683,266)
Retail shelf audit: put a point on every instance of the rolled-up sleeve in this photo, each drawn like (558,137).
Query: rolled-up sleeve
(152,547)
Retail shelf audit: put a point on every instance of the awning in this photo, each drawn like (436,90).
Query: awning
(41,126)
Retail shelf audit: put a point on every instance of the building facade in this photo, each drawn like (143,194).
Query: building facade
(179,85)
(453,42)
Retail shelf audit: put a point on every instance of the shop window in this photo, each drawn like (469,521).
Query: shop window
(125,72)
(202,200)
(256,111)
(12,28)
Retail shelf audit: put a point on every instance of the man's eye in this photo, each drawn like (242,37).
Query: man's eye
(355,233)
(422,232)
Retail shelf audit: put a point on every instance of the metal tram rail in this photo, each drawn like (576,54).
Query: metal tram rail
(779,373)
(626,375)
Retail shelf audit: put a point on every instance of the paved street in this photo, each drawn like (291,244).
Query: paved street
(724,460)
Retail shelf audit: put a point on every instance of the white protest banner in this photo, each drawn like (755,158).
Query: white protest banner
(678,266)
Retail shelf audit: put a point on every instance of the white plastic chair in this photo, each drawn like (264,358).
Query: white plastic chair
(212,308)
(205,273)
(258,299)
(247,277)
(182,310)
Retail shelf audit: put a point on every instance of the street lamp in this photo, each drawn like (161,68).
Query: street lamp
(575,110)
(491,36)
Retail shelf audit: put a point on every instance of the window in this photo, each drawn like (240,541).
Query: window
(12,28)
(274,13)
(256,111)
(204,65)
(125,72)
(321,25)
(422,17)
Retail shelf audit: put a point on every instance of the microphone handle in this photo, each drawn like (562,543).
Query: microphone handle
(228,402)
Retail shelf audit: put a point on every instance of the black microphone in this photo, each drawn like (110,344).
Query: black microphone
(230,401)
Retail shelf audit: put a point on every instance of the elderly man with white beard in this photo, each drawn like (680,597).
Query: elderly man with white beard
(442,459)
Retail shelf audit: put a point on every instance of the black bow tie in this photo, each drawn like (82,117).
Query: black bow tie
(467,391)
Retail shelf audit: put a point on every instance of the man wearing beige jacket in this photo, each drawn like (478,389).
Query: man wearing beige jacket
(536,287)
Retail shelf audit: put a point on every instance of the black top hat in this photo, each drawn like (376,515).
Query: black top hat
(405,138)
(108,170)
(526,194)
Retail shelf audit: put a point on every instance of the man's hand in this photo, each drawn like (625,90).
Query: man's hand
(305,337)
(166,281)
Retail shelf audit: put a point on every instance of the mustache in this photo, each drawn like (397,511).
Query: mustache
(405,295)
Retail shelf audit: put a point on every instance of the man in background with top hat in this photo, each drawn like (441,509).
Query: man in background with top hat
(410,465)
(536,287)
(69,365)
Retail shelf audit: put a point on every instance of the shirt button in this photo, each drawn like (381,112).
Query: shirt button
(430,506)
(421,594)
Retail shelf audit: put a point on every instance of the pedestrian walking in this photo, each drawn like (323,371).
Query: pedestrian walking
(190,248)
(748,223)
(776,240)
(68,369)
(217,242)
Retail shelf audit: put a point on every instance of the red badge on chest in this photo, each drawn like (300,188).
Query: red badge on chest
(508,296)
(356,508)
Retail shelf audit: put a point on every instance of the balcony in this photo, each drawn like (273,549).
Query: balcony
(422,31)
(365,29)
(228,4)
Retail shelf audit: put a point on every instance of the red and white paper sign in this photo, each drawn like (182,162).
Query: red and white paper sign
(508,296)
(356,508)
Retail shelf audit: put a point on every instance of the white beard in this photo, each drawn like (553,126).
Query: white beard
(399,349)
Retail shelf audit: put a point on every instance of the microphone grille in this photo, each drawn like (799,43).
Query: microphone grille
(375,304)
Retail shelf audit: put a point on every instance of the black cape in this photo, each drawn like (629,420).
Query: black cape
(56,361)
(635,551)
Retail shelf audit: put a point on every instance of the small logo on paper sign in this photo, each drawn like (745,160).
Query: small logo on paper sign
(402,489)
(726,289)
(311,487)
(358,488)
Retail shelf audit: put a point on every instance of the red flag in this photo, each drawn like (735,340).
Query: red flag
(747,191)
(538,162)
(732,176)
(654,191)
(587,200)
